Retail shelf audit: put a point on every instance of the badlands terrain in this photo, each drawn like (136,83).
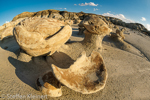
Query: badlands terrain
(126,57)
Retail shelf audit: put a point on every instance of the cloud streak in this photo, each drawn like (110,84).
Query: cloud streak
(7,22)
(63,8)
(88,4)
(143,19)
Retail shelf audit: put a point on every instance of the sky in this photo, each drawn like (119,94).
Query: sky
(137,11)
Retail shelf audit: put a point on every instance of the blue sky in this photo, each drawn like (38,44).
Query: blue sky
(127,10)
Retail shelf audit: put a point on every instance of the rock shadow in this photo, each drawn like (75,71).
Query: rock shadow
(28,72)
(75,32)
(75,29)
(9,44)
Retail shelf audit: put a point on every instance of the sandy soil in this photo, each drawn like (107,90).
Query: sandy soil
(128,73)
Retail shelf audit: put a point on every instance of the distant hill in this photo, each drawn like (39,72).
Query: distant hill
(65,15)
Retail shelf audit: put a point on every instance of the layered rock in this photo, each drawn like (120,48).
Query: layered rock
(86,75)
(95,30)
(49,85)
(23,15)
(7,29)
(40,36)
(69,15)
(49,14)
(136,26)
(8,32)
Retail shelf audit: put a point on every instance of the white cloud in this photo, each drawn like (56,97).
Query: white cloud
(86,9)
(95,9)
(7,22)
(120,16)
(123,18)
(75,4)
(143,19)
(147,26)
(90,4)
(65,8)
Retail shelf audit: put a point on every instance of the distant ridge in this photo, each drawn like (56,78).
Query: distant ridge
(64,15)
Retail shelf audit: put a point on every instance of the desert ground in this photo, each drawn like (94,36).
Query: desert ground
(128,70)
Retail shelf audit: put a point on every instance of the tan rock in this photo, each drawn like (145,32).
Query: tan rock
(120,33)
(95,30)
(69,22)
(7,29)
(8,32)
(49,85)
(40,36)
(77,21)
(87,74)
(2,27)
(117,40)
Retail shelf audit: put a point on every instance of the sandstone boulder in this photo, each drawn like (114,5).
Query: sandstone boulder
(8,32)
(87,75)
(119,34)
(7,29)
(69,22)
(49,85)
(40,36)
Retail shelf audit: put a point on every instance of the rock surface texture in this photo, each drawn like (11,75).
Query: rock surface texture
(49,85)
(7,29)
(39,36)
(95,30)
(82,74)
(87,75)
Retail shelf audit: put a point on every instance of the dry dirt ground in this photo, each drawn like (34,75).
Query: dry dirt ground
(128,72)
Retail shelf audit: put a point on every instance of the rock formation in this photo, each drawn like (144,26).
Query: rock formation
(95,30)
(7,29)
(69,15)
(23,15)
(39,36)
(116,39)
(119,34)
(8,32)
(77,21)
(87,74)
(49,85)
(65,15)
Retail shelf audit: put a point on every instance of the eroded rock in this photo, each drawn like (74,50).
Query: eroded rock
(7,29)
(119,34)
(40,36)
(87,74)
(95,30)
(49,85)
